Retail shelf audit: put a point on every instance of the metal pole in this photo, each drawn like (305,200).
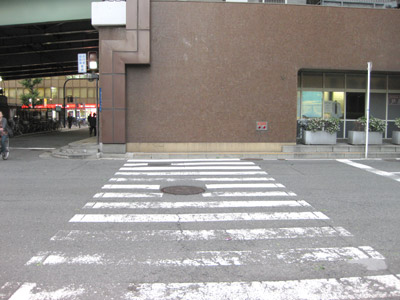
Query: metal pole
(97,110)
(367,110)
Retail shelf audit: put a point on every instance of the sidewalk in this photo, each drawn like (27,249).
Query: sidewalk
(88,149)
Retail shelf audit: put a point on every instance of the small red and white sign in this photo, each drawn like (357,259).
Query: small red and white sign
(262,126)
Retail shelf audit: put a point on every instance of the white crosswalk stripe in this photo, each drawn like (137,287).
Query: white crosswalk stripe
(244,219)
(202,235)
(345,288)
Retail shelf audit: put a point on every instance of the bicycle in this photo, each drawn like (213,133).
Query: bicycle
(5,154)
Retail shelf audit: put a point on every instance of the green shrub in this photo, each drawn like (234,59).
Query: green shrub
(318,124)
(397,122)
(375,124)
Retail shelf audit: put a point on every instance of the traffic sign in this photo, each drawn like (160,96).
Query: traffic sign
(82,68)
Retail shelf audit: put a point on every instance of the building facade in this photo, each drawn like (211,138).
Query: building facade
(199,76)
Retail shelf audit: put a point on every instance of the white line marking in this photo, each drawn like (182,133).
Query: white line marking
(244,185)
(184,218)
(390,175)
(136,165)
(211,179)
(182,160)
(369,287)
(131,186)
(240,258)
(209,258)
(28,292)
(213,163)
(212,204)
(128,195)
(249,194)
(190,173)
(31,148)
(189,168)
(203,235)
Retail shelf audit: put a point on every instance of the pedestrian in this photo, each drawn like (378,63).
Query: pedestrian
(92,124)
(4,136)
(70,119)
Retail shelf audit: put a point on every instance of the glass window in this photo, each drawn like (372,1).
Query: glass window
(91,93)
(76,93)
(298,105)
(378,82)
(356,81)
(334,104)
(83,93)
(61,93)
(334,81)
(355,105)
(41,92)
(311,104)
(12,93)
(312,80)
(69,92)
(20,92)
(47,93)
(377,106)
(394,82)
(54,92)
(394,106)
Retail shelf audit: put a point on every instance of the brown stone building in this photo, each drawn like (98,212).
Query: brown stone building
(198,76)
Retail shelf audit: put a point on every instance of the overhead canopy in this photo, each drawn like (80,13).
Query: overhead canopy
(42,38)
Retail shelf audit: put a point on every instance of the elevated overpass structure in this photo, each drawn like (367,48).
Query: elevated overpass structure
(43,37)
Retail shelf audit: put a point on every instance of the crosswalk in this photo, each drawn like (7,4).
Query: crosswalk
(246,237)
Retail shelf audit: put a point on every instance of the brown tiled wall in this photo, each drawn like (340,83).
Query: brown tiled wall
(217,68)
(120,46)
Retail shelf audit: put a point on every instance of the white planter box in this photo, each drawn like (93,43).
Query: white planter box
(396,137)
(358,138)
(319,138)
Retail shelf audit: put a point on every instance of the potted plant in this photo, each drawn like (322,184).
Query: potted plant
(375,130)
(396,133)
(318,131)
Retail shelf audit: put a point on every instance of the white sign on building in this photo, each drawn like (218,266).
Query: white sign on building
(82,68)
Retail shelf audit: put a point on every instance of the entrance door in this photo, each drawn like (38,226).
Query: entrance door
(355,105)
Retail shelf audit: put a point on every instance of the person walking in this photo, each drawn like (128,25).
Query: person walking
(92,123)
(70,119)
(4,136)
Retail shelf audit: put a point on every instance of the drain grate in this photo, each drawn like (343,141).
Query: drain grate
(183,190)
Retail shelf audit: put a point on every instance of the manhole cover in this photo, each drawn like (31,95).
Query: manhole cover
(183,190)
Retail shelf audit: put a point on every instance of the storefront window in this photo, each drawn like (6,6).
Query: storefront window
(394,82)
(378,82)
(334,81)
(76,93)
(298,105)
(83,94)
(311,104)
(378,105)
(312,80)
(334,105)
(47,93)
(355,105)
(54,94)
(41,92)
(356,81)
(393,106)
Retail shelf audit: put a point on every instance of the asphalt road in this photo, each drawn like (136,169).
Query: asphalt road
(304,229)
